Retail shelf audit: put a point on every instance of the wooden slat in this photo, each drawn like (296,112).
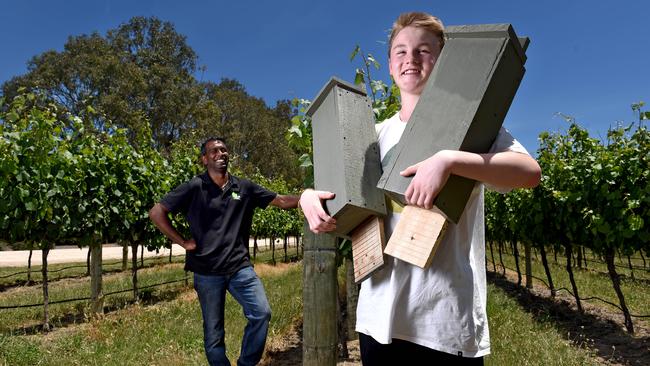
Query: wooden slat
(367,248)
(417,235)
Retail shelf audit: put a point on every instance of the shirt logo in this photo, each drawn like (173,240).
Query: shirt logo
(235,196)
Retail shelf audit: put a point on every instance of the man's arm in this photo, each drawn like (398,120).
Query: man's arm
(507,169)
(285,201)
(159,214)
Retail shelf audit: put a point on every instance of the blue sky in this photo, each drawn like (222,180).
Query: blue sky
(588,59)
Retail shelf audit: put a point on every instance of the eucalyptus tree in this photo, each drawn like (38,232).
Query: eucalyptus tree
(138,76)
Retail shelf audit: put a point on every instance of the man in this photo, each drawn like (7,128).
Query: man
(219,208)
(436,314)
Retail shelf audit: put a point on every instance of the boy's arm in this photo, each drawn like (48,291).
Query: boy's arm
(159,215)
(506,169)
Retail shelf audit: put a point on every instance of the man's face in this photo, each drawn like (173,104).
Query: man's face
(412,55)
(216,156)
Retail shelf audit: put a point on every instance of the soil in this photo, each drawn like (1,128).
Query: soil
(288,351)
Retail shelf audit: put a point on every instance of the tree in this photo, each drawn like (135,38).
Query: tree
(255,133)
(139,76)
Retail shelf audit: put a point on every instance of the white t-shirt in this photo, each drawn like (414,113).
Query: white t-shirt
(442,307)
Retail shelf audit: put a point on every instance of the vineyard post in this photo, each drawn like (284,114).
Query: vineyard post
(96,295)
(46,297)
(134,269)
(125,253)
(320,289)
(29,264)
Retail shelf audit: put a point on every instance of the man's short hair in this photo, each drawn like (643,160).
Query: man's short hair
(211,138)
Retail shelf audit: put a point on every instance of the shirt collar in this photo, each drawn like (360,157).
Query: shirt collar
(233,182)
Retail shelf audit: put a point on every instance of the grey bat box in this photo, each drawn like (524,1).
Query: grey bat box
(346,154)
(462,107)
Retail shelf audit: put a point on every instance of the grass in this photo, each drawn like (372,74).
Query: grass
(167,330)
(593,281)
(24,319)
(166,333)
(519,339)
(17,276)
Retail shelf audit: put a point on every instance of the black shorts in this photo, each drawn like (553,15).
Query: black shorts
(401,352)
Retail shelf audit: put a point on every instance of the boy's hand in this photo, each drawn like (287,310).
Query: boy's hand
(189,245)
(311,204)
(430,176)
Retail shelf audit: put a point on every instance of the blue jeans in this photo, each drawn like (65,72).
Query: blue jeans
(247,289)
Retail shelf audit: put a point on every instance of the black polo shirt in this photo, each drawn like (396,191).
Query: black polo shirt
(220,221)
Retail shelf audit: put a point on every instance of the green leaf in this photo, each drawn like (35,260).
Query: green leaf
(305,161)
(354,52)
(374,62)
(296,131)
(636,222)
(359,77)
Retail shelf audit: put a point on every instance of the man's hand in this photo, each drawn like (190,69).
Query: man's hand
(189,245)
(430,176)
(312,206)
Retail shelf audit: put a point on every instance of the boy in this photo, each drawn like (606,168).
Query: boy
(436,314)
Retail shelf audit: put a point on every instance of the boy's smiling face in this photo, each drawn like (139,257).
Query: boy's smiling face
(413,53)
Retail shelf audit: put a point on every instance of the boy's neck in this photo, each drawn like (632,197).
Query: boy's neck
(409,101)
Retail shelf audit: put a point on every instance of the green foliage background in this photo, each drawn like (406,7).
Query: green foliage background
(64,183)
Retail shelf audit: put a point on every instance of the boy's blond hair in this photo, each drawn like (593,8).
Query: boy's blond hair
(418,20)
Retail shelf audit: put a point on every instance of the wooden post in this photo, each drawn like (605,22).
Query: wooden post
(125,253)
(96,296)
(46,293)
(320,289)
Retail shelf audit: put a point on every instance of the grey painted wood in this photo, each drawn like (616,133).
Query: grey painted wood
(346,154)
(462,107)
